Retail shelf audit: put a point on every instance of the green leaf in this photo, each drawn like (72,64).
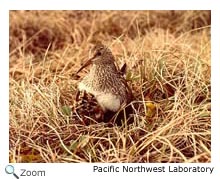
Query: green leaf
(66,110)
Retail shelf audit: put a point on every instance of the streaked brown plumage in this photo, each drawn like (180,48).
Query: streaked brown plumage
(104,81)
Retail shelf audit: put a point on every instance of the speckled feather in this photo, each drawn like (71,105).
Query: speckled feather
(104,81)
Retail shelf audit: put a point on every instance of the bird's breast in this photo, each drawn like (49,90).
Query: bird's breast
(85,87)
(109,101)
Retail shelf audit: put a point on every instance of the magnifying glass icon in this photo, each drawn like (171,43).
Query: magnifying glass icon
(9,169)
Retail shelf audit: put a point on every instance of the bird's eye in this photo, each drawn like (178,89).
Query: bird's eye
(98,53)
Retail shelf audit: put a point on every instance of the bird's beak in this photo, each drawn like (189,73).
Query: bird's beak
(87,63)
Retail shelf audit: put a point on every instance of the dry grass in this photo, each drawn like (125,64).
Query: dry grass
(168,57)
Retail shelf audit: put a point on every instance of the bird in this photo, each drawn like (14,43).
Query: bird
(104,86)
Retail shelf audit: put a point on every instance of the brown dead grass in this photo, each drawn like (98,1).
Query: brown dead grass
(168,57)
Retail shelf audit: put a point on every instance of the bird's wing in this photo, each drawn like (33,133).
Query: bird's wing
(123,69)
(129,93)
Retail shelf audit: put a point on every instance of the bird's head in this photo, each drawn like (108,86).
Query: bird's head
(101,55)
